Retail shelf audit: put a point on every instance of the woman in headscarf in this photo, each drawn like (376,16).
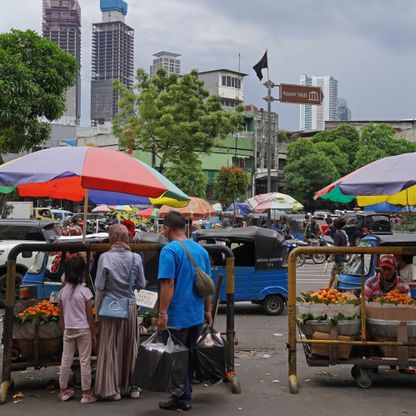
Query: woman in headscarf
(118,339)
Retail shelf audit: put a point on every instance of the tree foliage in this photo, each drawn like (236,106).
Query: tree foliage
(35,73)
(172,117)
(313,163)
(191,179)
(231,184)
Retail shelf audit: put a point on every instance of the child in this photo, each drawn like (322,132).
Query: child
(77,324)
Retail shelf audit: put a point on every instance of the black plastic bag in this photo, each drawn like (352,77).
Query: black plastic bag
(210,356)
(161,366)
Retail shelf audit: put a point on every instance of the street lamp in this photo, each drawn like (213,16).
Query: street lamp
(269,98)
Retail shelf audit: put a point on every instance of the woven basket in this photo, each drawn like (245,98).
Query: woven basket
(48,348)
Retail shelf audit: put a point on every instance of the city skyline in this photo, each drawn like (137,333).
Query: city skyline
(362,45)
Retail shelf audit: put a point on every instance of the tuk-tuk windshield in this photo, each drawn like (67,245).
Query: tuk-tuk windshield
(353,267)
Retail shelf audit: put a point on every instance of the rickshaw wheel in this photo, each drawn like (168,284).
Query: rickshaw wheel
(364,378)
(4,391)
(273,305)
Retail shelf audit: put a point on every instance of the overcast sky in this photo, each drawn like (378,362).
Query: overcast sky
(368,46)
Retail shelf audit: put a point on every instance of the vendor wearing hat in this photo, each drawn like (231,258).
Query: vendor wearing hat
(386,279)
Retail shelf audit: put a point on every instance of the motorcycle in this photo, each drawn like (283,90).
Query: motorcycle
(321,241)
(292,243)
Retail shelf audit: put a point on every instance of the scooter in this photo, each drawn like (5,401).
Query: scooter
(292,243)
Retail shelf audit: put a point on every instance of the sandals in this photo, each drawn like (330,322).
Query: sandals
(66,394)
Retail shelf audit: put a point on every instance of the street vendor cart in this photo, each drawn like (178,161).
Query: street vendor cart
(38,352)
(336,328)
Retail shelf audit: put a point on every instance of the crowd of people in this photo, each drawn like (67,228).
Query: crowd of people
(115,341)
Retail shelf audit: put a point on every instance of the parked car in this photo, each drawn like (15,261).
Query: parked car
(363,223)
(260,257)
(14,232)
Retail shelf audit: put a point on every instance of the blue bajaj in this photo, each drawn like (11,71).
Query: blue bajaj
(260,271)
(350,280)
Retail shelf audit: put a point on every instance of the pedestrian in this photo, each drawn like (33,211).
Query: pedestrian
(340,240)
(181,309)
(407,270)
(117,269)
(77,324)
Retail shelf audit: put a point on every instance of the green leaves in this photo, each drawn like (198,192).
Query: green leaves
(231,184)
(34,76)
(171,116)
(316,162)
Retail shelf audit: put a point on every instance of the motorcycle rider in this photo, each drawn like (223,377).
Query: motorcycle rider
(313,229)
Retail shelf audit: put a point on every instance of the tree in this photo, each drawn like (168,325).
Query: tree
(171,117)
(306,175)
(231,184)
(34,76)
(191,179)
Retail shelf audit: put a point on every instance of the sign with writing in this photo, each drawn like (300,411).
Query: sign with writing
(299,94)
(146,298)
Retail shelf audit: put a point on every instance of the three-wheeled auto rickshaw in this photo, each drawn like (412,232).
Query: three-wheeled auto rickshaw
(350,280)
(260,265)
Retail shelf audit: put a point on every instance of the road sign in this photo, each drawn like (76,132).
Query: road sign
(299,94)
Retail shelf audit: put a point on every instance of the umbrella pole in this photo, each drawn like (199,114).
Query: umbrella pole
(84,225)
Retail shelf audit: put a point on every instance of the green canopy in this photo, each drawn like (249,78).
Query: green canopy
(336,195)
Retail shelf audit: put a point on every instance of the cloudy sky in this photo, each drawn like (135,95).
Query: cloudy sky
(368,46)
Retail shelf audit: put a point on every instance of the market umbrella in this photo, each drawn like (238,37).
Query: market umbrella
(196,209)
(285,201)
(101,208)
(122,208)
(391,180)
(148,213)
(82,173)
(273,206)
(239,208)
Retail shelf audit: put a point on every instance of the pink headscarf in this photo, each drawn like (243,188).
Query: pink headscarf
(119,236)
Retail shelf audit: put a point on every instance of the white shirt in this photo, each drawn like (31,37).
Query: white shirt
(408,273)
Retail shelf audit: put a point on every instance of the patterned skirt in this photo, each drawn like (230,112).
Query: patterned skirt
(117,353)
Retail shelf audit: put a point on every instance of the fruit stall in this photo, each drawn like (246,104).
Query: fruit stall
(341,328)
(32,335)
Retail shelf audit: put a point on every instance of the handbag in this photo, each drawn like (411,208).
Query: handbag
(117,308)
(203,283)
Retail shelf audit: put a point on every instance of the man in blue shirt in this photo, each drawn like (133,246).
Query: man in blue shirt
(180,308)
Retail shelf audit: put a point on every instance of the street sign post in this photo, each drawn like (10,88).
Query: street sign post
(299,94)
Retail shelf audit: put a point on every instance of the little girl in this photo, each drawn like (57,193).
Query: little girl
(77,324)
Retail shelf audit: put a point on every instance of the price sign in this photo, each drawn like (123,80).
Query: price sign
(146,298)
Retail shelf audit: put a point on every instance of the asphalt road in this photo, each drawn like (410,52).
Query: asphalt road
(261,365)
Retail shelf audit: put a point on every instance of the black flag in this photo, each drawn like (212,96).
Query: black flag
(261,65)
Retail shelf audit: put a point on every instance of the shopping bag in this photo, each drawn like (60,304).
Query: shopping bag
(161,366)
(210,356)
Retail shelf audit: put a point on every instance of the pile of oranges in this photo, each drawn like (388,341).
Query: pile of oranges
(328,295)
(396,297)
(44,309)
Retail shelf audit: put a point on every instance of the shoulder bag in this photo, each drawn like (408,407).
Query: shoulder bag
(117,308)
(203,283)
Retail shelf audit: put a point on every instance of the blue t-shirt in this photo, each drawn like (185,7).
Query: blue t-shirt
(186,308)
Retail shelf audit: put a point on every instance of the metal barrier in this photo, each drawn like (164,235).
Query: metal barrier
(10,301)
(292,323)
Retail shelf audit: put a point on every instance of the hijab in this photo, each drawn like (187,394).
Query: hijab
(119,236)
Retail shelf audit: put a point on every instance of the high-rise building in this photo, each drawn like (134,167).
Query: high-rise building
(226,84)
(313,117)
(167,60)
(112,59)
(61,23)
(343,111)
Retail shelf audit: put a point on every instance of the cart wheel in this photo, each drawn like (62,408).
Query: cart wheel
(300,260)
(235,385)
(273,305)
(4,391)
(318,258)
(364,378)
(293,384)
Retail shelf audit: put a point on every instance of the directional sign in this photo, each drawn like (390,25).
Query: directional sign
(299,94)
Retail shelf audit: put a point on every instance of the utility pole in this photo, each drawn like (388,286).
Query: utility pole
(269,85)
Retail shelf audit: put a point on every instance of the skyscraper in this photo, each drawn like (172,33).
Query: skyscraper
(313,117)
(167,60)
(343,111)
(61,23)
(112,59)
